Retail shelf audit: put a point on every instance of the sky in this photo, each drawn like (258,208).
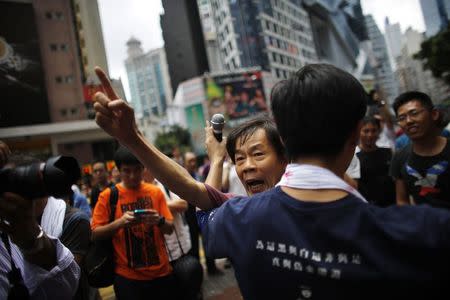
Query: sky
(140,18)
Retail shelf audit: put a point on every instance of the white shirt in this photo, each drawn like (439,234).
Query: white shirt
(354,169)
(235,185)
(61,282)
(181,229)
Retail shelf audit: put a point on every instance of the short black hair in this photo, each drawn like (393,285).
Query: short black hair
(371,120)
(423,98)
(247,129)
(124,156)
(317,109)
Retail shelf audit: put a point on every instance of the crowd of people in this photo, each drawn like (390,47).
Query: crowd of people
(334,197)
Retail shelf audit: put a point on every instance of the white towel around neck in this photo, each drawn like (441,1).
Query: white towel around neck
(309,177)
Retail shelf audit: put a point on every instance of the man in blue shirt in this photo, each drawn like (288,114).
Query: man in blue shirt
(313,236)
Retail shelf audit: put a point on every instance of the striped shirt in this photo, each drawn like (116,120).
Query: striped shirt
(59,283)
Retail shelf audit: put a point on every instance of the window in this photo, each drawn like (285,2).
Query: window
(53,47)
(63,112)
(58,79)
(234,63)
(48,15)
(59,15)
(74,111)
(68,79)
(63,47)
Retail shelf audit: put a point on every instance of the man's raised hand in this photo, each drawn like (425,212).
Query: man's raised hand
(113,114)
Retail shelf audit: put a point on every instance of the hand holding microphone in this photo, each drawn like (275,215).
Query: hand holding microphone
(218,122)
(214,144)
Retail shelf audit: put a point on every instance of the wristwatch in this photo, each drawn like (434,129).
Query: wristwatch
(38,244)
(161,221)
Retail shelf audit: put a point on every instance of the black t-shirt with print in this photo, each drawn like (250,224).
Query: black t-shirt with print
(375,184)
(427,178)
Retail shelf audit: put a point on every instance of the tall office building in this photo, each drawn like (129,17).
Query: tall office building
(411,73)
(43,111)
(436,14)
(384,76)
(90,38)
(339,32)
(393,36)
(272,34)
(210,35)
(149,80)
(183,40)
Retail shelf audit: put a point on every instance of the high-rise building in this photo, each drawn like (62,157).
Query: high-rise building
(183,40)
(43,109)
(149,80)
(210,35)
(393,36)
(90,37)
(436,14)
(272,34)
(339,30)
(411,73)
(385,79)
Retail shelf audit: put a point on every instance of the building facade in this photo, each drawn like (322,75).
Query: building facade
(148,78)
(272,34)
(385,80)
(436,14)
(393,37)
(411,73)
(183,40)
(44,110)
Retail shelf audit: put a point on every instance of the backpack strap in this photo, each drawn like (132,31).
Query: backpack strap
(113,197)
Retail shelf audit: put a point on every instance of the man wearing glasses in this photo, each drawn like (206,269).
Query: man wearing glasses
(421,170)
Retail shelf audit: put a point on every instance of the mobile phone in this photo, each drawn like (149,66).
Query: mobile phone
(141,212)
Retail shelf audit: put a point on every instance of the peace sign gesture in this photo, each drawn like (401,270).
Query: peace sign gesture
(112,114)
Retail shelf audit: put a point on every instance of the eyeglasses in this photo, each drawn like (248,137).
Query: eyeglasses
(413,114)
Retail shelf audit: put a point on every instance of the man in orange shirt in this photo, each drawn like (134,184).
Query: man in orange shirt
(141,216)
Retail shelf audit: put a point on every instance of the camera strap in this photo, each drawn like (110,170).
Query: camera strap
(15,279)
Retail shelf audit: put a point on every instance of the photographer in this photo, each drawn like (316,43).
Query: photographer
(33,265)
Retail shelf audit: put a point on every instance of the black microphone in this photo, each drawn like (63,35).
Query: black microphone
(218,122)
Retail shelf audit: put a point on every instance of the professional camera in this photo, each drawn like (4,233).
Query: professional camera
(52,178)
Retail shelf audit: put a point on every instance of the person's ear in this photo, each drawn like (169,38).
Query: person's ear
(435,114)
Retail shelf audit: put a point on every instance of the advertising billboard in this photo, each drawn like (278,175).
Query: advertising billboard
(237,96)
(24,99)
(196,125)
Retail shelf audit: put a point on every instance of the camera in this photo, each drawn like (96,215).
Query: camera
(52,178)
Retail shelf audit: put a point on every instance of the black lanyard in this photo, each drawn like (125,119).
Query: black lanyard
(17,288)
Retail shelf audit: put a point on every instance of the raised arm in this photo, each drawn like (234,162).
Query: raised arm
(116,117)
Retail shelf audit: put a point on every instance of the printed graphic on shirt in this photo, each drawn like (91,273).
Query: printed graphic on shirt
(300,259)
(140,239)
(427,183)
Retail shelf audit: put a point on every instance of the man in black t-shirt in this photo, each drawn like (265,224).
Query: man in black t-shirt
(421,169)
